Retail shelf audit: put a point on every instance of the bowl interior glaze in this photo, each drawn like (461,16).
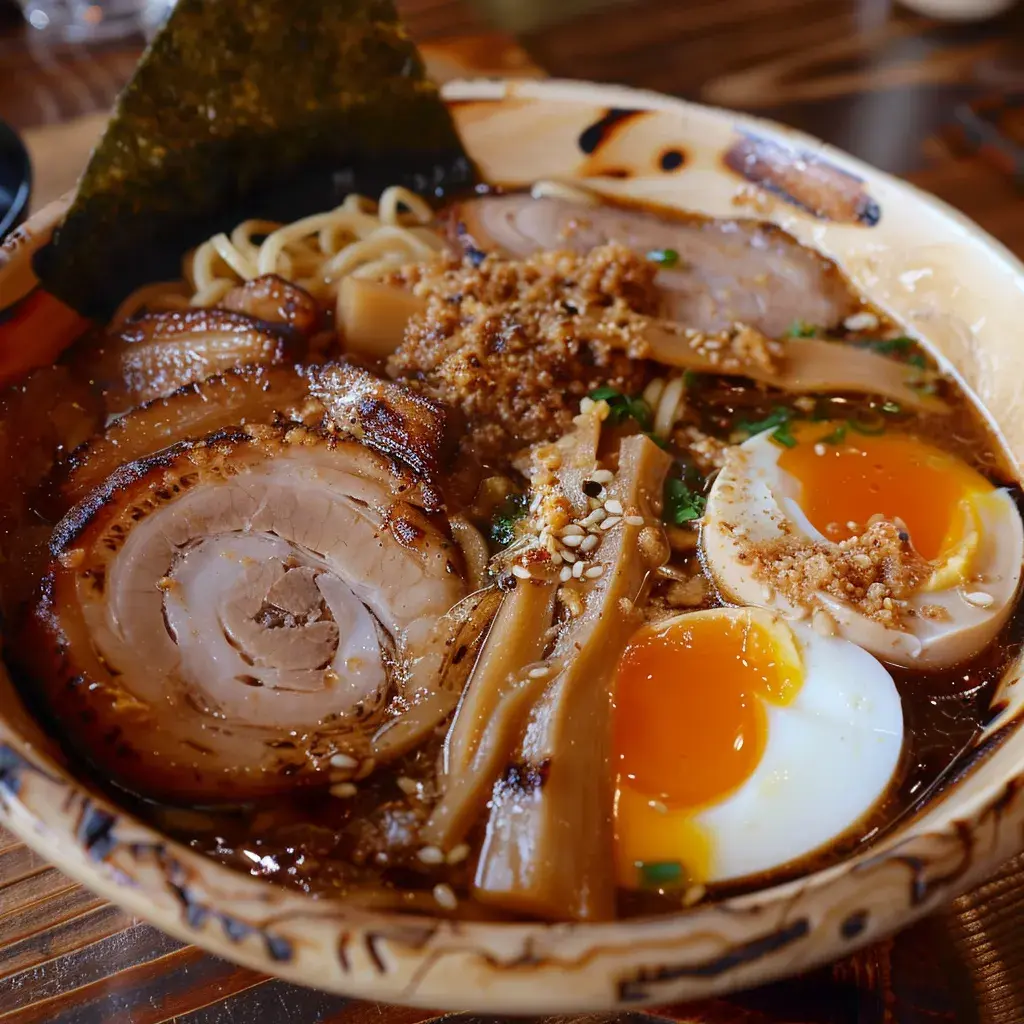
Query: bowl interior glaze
(948,282)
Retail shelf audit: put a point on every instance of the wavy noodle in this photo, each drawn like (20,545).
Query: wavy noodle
(667,399)
(160,295)
(359,238)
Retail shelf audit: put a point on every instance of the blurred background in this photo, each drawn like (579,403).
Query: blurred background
(892,82)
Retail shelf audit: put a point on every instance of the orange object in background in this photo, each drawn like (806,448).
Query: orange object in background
(35,332)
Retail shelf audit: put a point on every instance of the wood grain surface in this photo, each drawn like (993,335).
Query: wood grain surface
(881,83)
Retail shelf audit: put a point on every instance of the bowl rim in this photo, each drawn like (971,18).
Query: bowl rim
(34,825)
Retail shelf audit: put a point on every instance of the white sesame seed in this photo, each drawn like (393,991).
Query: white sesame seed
(539,672)
(589,543)
(611,521)
(614,506)
(577,569)
(851,525)
(444,894)
(602,476)
(635,520)
(586,405)
(343,761)
(863,321)
(980,599)
(406,785)
(694,894)
(565,575)
(430,855)
(573,541)
(567,556)
(594,572)
(458,854)
(657,805)
(521,571)
(572,530)
(344,790)
(535,504)
(820,449)
(595,517)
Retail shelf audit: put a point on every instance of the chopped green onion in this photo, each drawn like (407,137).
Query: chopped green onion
(506,515)
(918,360)
(886,346)
(871,427)
(784,435)
(799,329)
(836,436)
(892,408)
(776,418)
(681,503)
(623,407)
(659,874)
(666,257)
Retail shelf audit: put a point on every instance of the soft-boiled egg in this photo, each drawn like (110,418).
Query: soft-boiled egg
(884,539)
(743,742)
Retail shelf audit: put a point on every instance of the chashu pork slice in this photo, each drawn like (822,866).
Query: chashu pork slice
(222,618)
(724,271)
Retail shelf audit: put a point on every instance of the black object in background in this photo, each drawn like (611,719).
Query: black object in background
(10,12)
(15,179)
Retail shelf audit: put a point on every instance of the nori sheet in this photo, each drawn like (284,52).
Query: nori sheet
(248,108)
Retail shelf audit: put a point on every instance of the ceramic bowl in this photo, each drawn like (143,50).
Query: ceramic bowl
(934,271)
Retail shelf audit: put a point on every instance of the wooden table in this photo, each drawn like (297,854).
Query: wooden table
(878,82)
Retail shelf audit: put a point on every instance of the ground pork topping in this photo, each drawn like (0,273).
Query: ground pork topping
(875,572)
(516,344)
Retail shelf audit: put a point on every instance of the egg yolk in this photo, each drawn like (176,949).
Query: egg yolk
(846,477)
(690,726)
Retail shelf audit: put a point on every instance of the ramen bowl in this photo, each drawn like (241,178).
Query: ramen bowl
(933,272)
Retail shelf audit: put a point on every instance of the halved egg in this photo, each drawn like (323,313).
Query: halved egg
(891,542)
(743,742)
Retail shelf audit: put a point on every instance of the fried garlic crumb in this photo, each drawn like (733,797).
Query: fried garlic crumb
(875,571)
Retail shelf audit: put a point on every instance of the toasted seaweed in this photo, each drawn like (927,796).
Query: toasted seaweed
(248,108)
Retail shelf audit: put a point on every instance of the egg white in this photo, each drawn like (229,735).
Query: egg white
(830,755)
(753,501)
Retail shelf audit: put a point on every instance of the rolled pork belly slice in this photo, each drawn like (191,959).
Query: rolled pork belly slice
(222,619)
